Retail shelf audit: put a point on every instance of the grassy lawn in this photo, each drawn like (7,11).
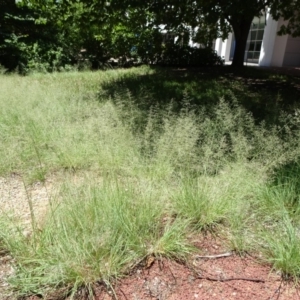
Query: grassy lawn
(164,153)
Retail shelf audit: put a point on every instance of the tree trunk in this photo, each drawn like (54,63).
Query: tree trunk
(241,30)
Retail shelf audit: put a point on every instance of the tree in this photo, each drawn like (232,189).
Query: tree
(288,10)
(40,35)
(12,21)
(7,7)
(240,13)
(114,28)
(103,29)
(219,17)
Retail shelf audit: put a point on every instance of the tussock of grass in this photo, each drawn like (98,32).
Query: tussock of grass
(96,232)
(155,173)
(281,244)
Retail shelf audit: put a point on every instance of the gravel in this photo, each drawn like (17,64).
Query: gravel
(14,201)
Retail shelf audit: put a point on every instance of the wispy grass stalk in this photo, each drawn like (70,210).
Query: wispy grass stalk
(155,171)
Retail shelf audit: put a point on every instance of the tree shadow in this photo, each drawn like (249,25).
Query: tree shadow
(263,93)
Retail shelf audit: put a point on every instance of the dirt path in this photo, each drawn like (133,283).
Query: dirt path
(14,201)
(15,198)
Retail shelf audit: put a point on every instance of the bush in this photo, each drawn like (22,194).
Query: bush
(186,56)
(27,56)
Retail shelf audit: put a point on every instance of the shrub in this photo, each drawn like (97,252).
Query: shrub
(186,56)
(28,56)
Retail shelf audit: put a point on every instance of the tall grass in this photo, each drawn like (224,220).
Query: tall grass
(97,233)
(153,175)
(56,122)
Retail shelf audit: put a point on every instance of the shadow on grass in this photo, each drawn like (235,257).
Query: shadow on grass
(264,93)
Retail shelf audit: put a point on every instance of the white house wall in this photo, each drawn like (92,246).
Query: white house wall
(223,47)
(218,46)
(227,47)
(276,51)
(265,58)
(292,52)
(273,49)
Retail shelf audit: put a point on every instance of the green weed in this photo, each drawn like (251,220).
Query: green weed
(163,155)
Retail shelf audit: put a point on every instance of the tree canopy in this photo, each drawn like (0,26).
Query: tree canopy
(34,31)
(219,17)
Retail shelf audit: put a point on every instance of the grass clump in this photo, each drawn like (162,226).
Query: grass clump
(156,170)
(281,244)
(95,232)
(278,211)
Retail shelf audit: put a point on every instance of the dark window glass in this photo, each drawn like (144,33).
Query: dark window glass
(251,47)
(256,55)
(253,35)
(249,55)
(258,46)
(254,41)
(260,34)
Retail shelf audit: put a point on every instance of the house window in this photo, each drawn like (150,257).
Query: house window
(255,39)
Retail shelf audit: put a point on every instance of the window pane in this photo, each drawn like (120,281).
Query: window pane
(258,46)
(251,46)
(256,55)
(262,21)
(255,22)
(253,35)
(249,55)
(260,34)
(262,25)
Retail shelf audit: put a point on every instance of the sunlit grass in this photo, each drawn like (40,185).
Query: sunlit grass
(155,172)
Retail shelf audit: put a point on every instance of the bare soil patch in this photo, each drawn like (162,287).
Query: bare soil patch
(168,280)
(222,276)
(15,196)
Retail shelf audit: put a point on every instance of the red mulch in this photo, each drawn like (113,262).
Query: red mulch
(167,280)
(232,277)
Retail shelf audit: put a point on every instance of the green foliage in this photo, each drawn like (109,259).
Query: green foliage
(28,44)
(216,18)
(34,57)
(203,208)
(135,177)
(288,11)
(282,194)
(280,247)
(121,227)
(186,56)
(48,35)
